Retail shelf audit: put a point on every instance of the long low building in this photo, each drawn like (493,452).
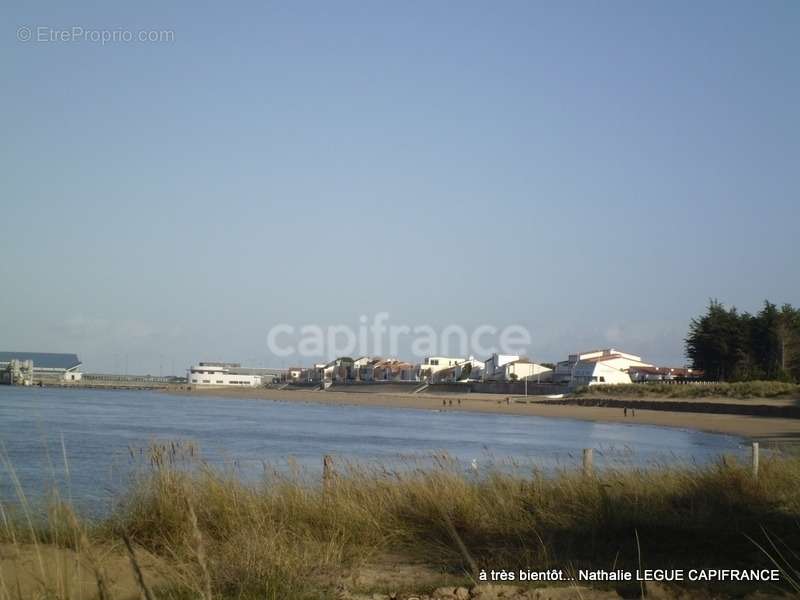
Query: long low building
(222,374)
(44,367)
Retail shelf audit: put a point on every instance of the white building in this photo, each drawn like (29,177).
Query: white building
(521,369)
(510,367)
(432,364)
(495,362)
(596,371)
(294,374)
(470,369)
(608,365)
(312,374)
(364,368)
(221,374)
(392,369)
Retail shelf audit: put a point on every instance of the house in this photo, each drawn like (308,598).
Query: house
(339,370)
(432,364)
(470,369)
(522,369)
(313,373)
(597,371)
(563,372)
(494,363)
(446,375)
(42,366)
(394,370)
(510,367)
(364,368)
(294,374)
(607,365)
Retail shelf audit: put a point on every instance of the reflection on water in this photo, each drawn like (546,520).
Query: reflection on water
(99,428)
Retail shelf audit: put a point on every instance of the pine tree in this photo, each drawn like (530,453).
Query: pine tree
(729,345)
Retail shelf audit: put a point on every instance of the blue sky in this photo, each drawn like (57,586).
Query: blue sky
(593,171)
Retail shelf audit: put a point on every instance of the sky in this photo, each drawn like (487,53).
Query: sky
(592,171)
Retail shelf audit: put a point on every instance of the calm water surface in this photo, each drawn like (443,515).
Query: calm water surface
(99,427)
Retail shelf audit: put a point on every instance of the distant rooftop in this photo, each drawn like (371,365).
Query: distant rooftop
(44,360)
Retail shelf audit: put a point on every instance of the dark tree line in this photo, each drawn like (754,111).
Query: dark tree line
(733,346)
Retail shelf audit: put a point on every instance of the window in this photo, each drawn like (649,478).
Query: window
(220,381)
(602,379)
(435,362)
(206,381)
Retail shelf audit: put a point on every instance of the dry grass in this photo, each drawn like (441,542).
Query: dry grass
(284,538)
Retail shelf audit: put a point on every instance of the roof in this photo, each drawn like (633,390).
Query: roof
(393,363)
(607,352)
(523,360)
(43,360)
(608,357)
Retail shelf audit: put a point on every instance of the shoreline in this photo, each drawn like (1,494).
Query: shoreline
(770,431)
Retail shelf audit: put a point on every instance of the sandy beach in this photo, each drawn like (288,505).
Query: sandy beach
(768,430)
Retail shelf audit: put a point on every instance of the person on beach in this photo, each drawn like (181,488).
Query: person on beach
(626,411)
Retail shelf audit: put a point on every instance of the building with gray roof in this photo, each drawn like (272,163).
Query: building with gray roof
(47,366)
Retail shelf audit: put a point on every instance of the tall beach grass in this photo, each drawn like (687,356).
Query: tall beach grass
(286,538)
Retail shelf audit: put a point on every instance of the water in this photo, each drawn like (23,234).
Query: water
(98,428)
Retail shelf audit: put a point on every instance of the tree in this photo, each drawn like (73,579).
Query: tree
(789,340)
(716,342)
(729,345)
(465,372)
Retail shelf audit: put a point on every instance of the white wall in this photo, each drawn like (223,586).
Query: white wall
(495,362)
(217,376)
(598,373)
(433,364)
(523,370)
